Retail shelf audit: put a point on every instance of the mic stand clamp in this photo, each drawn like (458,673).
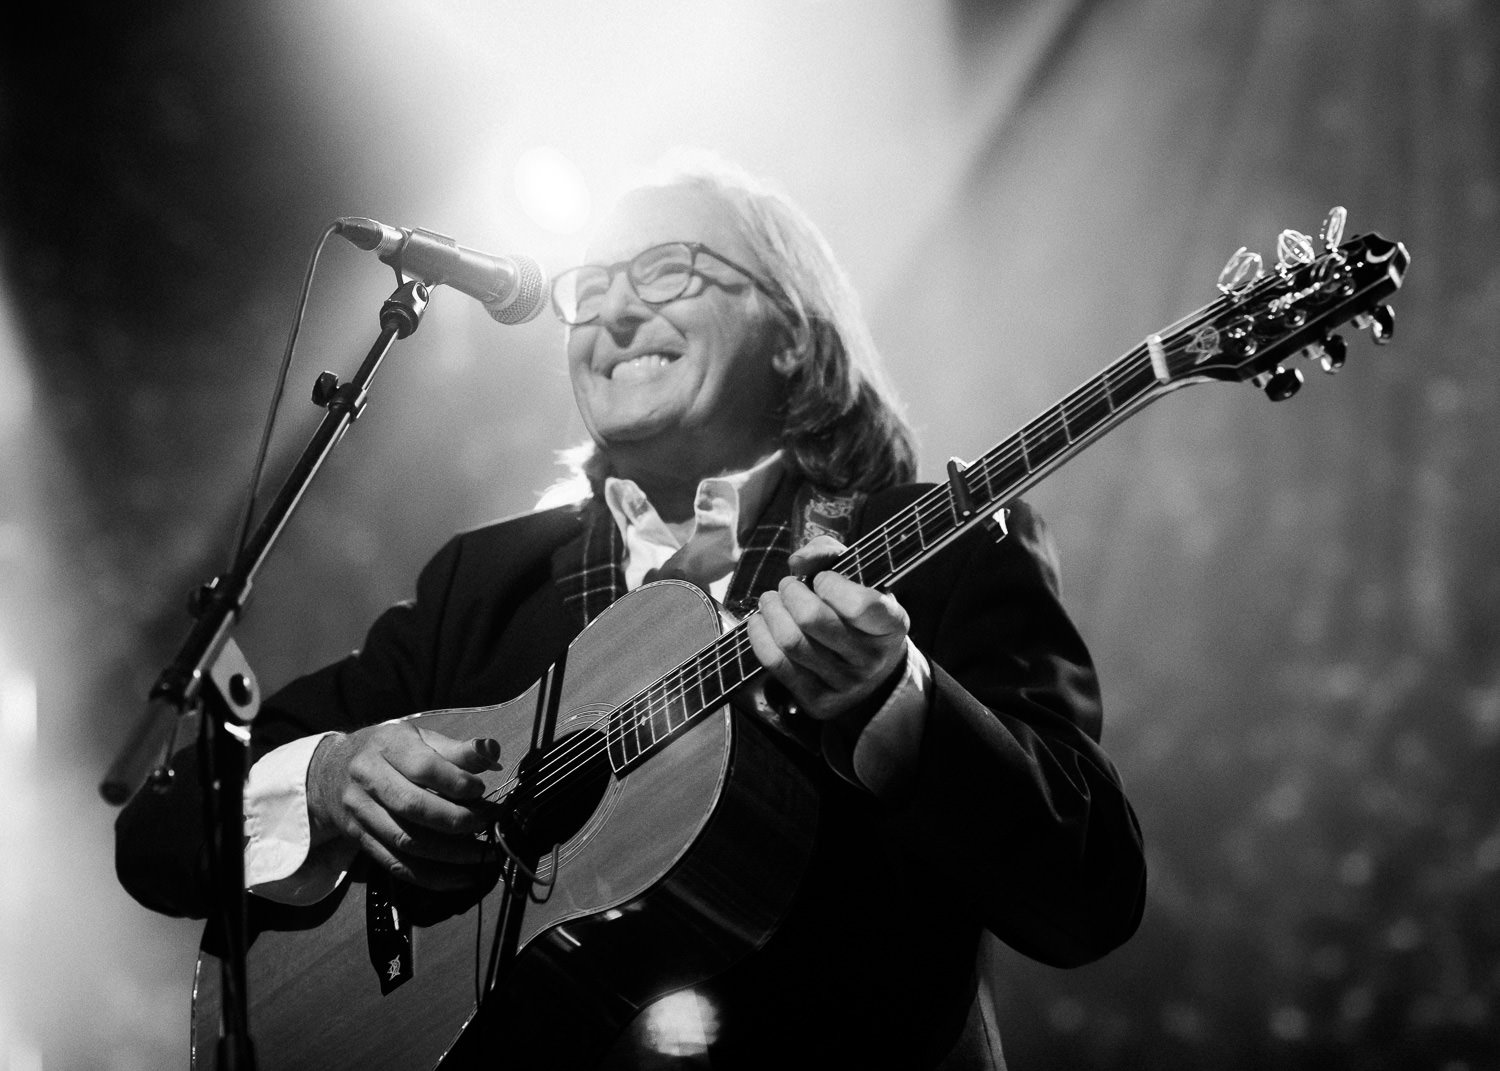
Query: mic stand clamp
(211,676)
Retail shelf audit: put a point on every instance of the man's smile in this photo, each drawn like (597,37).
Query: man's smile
(639,366)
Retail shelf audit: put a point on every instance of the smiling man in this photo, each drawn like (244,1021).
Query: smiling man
(742,433)
(692,382)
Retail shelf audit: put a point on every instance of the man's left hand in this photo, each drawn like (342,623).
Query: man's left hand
(833,643)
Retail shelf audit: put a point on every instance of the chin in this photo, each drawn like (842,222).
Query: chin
(623,432)
(630,419)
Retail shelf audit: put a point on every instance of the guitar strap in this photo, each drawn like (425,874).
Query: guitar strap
(786,526)
(819,512)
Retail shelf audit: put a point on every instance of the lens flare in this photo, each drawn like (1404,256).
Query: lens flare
(552,190)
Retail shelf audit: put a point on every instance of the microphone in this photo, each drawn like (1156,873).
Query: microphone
(512,289)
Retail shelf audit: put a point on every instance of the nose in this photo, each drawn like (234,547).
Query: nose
(622,309)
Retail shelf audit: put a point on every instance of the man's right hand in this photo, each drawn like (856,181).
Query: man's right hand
(408,797)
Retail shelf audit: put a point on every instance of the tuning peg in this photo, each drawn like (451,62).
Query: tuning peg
(1280,384)
(1293,249)
(1335,349)
(1333,228)
(1381,320)
(1242,269)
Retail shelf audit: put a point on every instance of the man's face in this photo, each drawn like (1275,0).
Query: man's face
(689,382)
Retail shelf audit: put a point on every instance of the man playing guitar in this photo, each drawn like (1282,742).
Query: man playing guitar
(742,435)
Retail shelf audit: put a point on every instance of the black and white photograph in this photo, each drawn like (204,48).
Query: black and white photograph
(930,535)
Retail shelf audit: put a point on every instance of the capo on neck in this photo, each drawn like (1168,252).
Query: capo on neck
(963,501)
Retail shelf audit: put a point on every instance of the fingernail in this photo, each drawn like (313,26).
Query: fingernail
(488,748)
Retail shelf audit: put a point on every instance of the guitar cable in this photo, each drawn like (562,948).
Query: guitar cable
(484,979)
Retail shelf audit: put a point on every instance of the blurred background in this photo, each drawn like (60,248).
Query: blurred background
(1293,607)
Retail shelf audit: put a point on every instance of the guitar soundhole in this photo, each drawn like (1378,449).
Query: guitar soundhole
(559,790)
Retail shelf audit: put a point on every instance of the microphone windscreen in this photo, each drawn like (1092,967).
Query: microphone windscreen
(529,296)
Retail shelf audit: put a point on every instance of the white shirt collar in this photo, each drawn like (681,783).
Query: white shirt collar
(725,508)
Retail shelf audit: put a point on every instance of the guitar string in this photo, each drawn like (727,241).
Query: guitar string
(658,697)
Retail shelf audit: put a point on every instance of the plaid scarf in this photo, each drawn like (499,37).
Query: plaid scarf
(589,573)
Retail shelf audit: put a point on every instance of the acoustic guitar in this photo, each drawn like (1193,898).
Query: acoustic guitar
(656,833)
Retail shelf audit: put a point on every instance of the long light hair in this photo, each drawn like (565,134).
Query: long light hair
(842,427)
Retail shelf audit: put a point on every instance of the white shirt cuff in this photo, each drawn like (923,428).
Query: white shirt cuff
(280,862)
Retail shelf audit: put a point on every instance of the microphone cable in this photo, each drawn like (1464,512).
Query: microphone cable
(258,468)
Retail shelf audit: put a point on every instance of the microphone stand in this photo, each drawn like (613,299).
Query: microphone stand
(210,675)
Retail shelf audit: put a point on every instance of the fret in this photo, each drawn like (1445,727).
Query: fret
(685,691)
(660,716)
(925,529)
(1091,408)
(620,734)
(885,544)
(987,492)
(614,744)
(1010,468)
(851,566)
(864,552)
(1020,438)
(1139,380)
(704,694)
(718,667)
(745,665)
(643,719)
(686,699)
(1062,418)
(1046,442)
(716,685)
(1109,395)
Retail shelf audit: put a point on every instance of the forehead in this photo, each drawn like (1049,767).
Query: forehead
(648,217)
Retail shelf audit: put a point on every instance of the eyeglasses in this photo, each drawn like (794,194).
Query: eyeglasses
(657,275)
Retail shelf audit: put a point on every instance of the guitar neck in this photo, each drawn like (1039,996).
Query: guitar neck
(976,492)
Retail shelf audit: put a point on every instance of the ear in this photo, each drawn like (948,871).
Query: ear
(797,348)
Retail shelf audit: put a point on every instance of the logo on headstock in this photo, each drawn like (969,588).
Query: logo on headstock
(1286,301)
(1204,343)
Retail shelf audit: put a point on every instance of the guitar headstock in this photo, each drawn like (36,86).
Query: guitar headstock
(1267,318)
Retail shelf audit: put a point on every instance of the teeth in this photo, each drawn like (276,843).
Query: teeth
(639,367)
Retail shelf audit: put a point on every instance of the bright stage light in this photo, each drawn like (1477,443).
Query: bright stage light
(552,191)
(17,714)
(682,1024)
(18,692)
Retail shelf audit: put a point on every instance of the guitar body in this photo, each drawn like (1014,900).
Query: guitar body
(686,863)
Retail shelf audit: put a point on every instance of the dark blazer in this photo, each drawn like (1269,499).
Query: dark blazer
(1015,822)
